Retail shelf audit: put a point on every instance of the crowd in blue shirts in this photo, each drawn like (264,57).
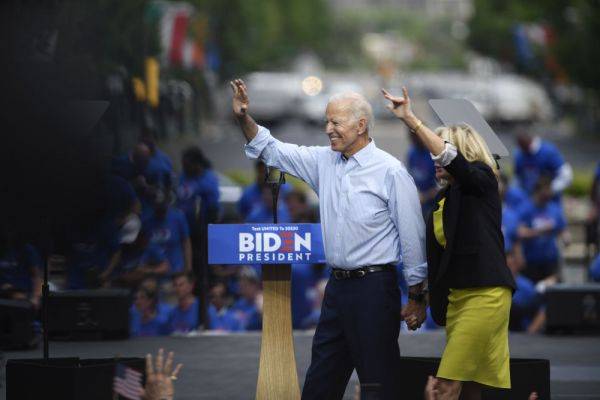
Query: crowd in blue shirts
(533,219)
(150,237)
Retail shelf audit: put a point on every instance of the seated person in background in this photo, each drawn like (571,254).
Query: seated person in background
(93,254)
(421,168)
(247,308)
(312,319)
(146,319)
(252,194)
(542,220)
(298,207)
(184,316)
(305,278)
(595,269)
(167,228)
(220,317)
(514,199)
(152,263)
(152,285)
(20,270)
(198,189)
(526,301)
(262,212)
(593,223)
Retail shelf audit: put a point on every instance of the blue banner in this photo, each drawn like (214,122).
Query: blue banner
(265,244)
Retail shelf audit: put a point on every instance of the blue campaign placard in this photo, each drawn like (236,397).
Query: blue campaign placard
(265,244)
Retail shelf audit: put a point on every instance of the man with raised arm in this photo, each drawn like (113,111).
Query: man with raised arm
(371,220)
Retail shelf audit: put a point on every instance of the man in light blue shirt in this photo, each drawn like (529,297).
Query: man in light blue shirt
(371,220)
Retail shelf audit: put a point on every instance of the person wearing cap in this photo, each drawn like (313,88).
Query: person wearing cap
(470,285)
(371,219)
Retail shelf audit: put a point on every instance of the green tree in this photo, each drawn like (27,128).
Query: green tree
(575,26)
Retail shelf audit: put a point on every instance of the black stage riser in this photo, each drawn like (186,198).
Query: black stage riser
(64,378)
(573,309)
(89,314)
(527,375)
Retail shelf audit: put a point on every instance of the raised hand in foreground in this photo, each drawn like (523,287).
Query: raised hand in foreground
(159,378)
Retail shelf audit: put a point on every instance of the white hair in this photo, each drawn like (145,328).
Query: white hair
(358,106)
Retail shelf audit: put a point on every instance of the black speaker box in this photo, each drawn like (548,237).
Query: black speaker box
(64,378)
(16,325)
(89,314)
(527,375)
(573,308)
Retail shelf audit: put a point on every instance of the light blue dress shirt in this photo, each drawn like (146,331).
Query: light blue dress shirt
(370,210)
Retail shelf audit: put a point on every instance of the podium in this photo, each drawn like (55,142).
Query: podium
(277,375)
(275,247)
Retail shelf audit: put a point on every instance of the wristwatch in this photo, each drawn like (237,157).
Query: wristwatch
(418,297)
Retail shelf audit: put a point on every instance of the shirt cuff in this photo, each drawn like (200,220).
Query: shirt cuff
(258,144)
(415,275)
(446,156)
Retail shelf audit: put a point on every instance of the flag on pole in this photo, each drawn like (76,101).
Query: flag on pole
(127,382)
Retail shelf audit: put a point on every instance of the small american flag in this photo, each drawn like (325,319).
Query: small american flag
(127,382)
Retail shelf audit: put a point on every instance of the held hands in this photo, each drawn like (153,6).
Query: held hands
(400,106)
(159,381)
(240,98)
(414,314)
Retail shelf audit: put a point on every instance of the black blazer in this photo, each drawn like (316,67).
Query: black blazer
(474,253)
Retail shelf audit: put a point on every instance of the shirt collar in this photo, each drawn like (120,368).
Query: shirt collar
(363,155)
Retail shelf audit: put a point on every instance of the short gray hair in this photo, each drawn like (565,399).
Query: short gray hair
(359,107)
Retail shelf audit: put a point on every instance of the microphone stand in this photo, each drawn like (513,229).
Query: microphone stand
(275,187)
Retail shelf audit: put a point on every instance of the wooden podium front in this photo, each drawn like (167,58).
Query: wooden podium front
(277,375)
(272,246)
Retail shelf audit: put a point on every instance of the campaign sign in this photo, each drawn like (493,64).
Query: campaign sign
(265,244)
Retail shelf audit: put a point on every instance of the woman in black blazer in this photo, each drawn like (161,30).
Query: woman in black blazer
(470,286)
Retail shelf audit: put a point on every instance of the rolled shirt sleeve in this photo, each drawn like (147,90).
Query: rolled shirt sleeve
(446,156)
(407,216)
(300,161)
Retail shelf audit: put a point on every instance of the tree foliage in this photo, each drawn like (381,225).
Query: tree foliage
(575,25)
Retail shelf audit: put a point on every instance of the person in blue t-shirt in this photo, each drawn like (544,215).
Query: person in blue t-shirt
(595,269)
(93,255)
(303,281)
(146,319)
(511,218)
(252,194)
(515,197)
(168,229)
(263,211)
(198,188)
(144,173)
(20,270)
(542,222)
(246,308)
(132,166)
(184,317)
(160,168)
(536,158)
(593,222)
(421,168)
(220,317)
(526,301)
(298,207)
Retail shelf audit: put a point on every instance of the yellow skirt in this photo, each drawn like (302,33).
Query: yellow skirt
(477,336)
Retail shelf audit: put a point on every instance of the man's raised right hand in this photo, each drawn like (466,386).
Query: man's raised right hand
(240,98)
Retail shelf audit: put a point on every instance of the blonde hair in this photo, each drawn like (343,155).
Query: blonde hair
(470,144)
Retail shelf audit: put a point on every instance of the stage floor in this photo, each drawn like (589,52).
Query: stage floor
(226,366)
